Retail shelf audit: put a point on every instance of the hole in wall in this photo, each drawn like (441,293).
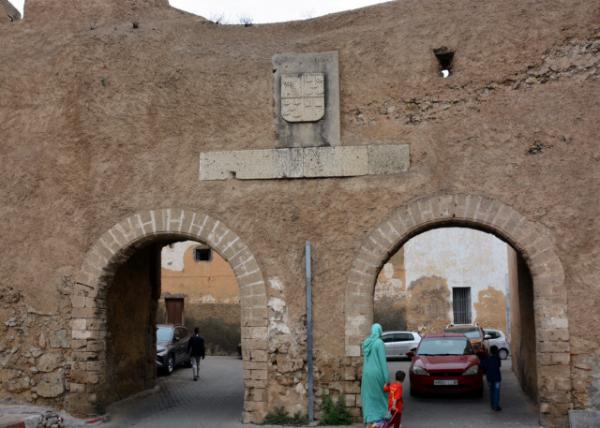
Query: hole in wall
(445,58)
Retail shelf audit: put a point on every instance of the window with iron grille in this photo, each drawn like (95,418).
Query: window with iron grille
(461,305)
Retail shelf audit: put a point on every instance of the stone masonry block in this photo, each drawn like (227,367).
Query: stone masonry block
(386,159)
(472,203)
(341,161)
(146,223)
(460,206)
(197,225)
(258,355)
(440,207)
(353,350)
(426,210)
(324,131)
(228,248)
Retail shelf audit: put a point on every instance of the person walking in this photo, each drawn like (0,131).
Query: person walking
(491,366)
(374,377)
(196,351)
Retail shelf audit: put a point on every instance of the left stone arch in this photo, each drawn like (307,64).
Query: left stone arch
(116,245)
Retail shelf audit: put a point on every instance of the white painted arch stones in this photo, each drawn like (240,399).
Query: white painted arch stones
(530,239)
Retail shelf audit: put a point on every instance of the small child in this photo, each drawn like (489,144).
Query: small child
(491,366)
(395,401)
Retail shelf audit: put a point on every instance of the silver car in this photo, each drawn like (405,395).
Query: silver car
(497,337)
(398,343)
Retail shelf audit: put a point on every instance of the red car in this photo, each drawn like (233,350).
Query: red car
(443,364)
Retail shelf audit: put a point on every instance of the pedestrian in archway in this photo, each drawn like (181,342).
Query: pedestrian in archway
(491,366)
(196,350)
(374,377)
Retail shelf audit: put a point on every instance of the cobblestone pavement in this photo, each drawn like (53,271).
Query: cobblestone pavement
(216,401)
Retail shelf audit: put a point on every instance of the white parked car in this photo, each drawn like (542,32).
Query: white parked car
(497,337)
(398,343)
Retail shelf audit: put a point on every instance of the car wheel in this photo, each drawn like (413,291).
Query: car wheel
(413,393)
(503,354)
(170,364)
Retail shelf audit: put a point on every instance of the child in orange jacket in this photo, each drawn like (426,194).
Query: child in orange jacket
(395,401)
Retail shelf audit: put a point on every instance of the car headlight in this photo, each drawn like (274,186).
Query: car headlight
(471,371)
(420,371)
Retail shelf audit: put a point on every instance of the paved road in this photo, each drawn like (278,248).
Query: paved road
(216,401)
(447,412)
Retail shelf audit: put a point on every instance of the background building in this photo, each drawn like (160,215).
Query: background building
(445,275)
(207,286)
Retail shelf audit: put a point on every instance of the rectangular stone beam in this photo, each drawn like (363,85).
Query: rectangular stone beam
(308,162)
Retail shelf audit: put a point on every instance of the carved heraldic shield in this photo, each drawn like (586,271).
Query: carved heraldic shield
(303,97)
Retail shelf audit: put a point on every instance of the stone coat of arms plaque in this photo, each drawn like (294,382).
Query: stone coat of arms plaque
(303,97)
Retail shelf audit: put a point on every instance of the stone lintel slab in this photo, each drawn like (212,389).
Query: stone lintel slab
(308,162)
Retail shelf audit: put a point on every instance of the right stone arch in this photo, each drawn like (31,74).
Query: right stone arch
(530,239)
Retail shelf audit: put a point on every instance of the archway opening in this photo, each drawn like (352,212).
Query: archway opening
(455,279)
(156,299)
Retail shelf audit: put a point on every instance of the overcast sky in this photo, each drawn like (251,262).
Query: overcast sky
(262,11)
(259,11)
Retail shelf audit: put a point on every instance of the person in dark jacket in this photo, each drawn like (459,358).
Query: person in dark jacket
(491,367)
(196,351)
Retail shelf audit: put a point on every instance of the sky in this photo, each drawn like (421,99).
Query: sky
(259,11)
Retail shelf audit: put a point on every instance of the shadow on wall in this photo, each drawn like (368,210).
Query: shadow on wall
(391,315)
(219,325)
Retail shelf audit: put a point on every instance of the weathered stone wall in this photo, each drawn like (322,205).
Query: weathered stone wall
(131,304)
(102,120)
(522,332)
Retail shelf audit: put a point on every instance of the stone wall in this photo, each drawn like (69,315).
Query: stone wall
(131,327)
(35,346)
(522,332)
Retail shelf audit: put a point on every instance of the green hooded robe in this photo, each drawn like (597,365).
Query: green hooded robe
(374,376)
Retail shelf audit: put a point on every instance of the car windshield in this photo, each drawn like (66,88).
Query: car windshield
(456,346)
(164,334)
(471,333)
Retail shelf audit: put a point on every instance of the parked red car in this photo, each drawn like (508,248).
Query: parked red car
(445,363)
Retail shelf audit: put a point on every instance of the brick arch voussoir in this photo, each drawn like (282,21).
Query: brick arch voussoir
(119,241)
(530,239)
(122,239)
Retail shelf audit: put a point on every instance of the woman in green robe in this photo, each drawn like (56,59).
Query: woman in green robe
(374,376)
